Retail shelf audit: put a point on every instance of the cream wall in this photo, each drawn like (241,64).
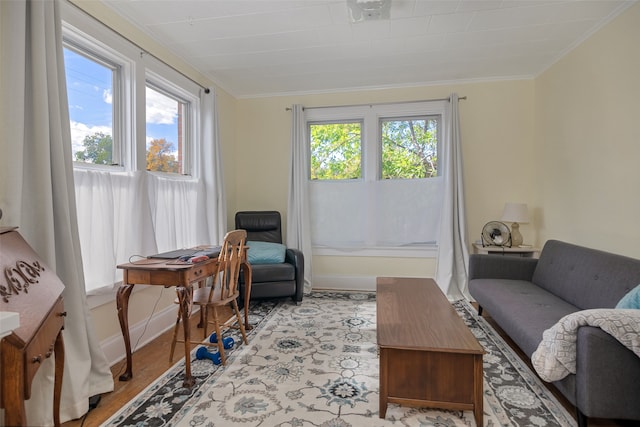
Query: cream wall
(497,138)
(587,143)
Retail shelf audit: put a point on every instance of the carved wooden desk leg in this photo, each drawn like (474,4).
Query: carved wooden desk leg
(122,303)
(13,390)
(247,293)
(185,299)
(57,382)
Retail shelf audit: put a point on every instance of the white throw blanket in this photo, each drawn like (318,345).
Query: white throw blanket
(555,357)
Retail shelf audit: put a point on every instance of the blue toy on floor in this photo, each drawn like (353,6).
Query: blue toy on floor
(227,342)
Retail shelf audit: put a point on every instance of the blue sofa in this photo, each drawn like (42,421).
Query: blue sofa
(526,296)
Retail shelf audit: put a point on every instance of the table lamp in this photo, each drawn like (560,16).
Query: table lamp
(516,213)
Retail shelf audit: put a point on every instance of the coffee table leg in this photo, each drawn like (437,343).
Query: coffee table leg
(478,384)
(383,383)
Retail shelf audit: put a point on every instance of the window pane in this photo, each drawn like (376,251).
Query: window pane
(335,150)
(409,148)
(165,132)
(90,94)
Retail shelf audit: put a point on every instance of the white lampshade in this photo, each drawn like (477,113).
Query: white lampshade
(515,212)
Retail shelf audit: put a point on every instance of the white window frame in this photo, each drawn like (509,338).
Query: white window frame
(439,150)
(84,44)
(371,116)
(136,68)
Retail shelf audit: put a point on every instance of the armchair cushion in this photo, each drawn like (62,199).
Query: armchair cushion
(264,273)
(265,252)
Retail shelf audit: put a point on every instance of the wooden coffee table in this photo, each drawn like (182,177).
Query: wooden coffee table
(428,356)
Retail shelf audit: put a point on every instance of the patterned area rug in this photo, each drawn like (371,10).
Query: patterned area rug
(316,364)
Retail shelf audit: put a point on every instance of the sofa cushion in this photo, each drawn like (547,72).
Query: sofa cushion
(631,299)
(265,252)
(587,278)
(534,308)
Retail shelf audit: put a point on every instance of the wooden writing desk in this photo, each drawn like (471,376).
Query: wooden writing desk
(32,289)
(428,356)
(168,273)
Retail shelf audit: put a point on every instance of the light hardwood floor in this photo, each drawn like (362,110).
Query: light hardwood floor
(151,361)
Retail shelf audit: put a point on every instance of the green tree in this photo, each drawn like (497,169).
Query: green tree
(160,157)
(409,148)
(335,151)
(97,149)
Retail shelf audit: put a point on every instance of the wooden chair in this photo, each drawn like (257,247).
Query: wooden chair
(223,291)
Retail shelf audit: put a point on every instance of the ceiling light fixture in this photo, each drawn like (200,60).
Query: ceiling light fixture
(369,10)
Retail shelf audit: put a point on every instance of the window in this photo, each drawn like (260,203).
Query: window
(409,147)
(166,119)
(336,150)
(374,177)
(135,126)
(93,83)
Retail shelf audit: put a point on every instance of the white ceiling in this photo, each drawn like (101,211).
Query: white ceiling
(269,47)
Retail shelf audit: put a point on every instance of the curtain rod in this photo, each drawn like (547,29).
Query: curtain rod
(143,50)
(378,103)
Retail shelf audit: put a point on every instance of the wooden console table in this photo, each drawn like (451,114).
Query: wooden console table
(428,356)
(168,273)
(521,251)
(32,289)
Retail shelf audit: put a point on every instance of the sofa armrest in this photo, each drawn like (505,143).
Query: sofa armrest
(608,376)
(482,266)
(295,257)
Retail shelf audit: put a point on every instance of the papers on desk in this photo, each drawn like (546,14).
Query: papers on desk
(185,254)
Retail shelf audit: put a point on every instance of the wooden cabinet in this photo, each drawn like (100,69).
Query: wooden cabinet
(31,289)
(428,355)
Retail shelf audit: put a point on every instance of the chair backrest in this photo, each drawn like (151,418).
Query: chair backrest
(263,226)
(225,282)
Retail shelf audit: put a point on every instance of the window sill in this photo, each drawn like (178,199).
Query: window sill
(421,251)
(107,294)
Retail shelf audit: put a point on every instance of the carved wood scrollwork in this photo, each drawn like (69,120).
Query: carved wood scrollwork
(19,278)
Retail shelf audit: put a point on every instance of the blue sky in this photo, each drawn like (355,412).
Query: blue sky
(89,89)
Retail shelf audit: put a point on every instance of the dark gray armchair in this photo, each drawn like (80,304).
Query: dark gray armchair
(271,280)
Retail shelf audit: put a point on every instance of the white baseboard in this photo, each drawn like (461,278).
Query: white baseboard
(344,283)
(141,334)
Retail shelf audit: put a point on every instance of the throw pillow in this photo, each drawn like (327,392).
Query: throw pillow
(631,299)
(265,252)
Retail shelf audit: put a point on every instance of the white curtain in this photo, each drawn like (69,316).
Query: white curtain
(37,194)
(453,256)
(114,221)
(298,219)
(211,167)
(177,214)
(378,214)
(140,213)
